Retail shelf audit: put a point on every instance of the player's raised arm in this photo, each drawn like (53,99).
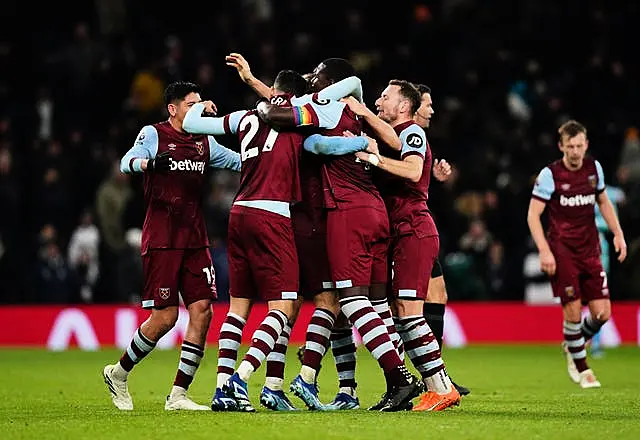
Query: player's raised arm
(542,192)
(343,88)
(195,123)
(222,157)
(143,155)
(609,215)
(383,130)
(336,145)
(237,61)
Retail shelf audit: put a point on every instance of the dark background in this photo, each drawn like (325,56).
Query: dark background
(78,79)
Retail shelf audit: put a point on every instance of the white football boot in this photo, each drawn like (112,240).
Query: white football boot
(588,379)
(574,375)
(118,389)
(179,401)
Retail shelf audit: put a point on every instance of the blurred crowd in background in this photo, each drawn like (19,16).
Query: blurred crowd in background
(78,86)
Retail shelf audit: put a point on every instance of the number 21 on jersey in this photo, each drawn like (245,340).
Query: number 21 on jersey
(254,123)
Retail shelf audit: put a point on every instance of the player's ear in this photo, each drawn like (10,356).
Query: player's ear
(171,108)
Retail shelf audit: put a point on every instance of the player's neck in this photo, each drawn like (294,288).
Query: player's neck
(401,120)
(177,126)
(571,167)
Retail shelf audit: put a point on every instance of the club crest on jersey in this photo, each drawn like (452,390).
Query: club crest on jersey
(172,147)
(164,292)
(200,148)
(414,140)
(565,186)
(593,180)
(569,291)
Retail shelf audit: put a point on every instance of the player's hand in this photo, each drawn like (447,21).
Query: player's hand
(159,164)
(548,263)
(241,65)
(620,246)
(372,145)
(356,106)
(210,107)
(348,134)
(441,170)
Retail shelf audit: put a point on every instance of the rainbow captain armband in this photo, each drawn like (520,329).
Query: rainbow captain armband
(302,115)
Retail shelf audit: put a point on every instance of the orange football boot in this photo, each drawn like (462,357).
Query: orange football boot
(432,401)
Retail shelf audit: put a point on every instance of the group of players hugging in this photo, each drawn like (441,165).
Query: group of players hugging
(332,208)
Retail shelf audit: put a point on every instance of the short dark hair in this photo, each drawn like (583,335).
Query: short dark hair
(177,91)
(410,92)
(290,81)
(337,69)
(571,129)
(422,88)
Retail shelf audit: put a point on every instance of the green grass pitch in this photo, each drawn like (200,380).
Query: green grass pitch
(518,392)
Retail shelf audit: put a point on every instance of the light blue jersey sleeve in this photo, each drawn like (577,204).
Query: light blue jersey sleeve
(222,157)
(342,89)
(544,186)
(600,186)
(145,147)
(414,141)
(334,145)
(195,123)
(321,113)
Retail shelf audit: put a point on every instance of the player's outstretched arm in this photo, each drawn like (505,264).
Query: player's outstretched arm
(335,145)
(383,130)
(409,168)
(237,61)
(609,214)
(285,117)
(195,123)
(222,157)
(342,89)
(142,155)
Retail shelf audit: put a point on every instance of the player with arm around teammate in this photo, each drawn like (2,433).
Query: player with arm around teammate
(355,217)
(403,181)
(262,255)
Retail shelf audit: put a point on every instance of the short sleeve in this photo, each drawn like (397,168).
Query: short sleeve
(414,141)
(600,186)
(544,186)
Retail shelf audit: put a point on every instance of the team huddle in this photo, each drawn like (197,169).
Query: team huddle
(332,208)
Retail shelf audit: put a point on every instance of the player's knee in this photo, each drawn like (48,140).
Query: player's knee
(437,292)
(408,307)
(602,315)
(297,305)
(164,319)
(327,301)
(200,313)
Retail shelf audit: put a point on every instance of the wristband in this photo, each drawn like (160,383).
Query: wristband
(373,159)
